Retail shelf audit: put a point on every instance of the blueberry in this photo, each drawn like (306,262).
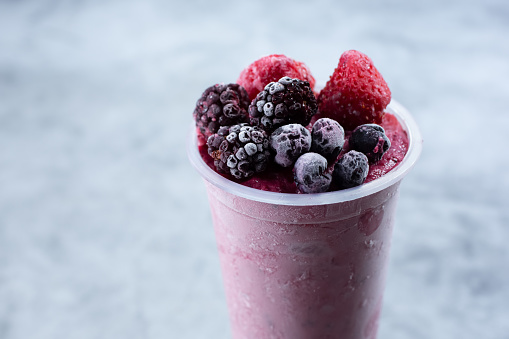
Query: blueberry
(328,138)
(289,142)
(371,140)
(310,173)
(351,170)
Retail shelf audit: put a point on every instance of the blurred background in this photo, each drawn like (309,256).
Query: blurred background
(105,230)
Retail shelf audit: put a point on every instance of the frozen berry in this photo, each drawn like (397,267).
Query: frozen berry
(283,102)
(328,138)
(356,93)
(221,105)
(351,170)
(310,173)
(289,142)
(371,140)
(271,68)
(240,150)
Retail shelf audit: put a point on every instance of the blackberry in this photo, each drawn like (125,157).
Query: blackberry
(310,173)
(371,140)
(283,102)
(221,105)
(351,170)
(289,142)
(328,138)
(240,150)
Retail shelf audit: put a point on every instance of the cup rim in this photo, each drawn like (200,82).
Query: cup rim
(295,199)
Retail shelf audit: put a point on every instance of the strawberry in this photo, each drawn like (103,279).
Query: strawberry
(355,94)
(269,69)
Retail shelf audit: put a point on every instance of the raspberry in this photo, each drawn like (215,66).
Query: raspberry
(328,138)
(283,102)
(351,170)
(310,173)
(289,142)
(221,105)
(271,68)
(371,140)
(240,150)
(356,93)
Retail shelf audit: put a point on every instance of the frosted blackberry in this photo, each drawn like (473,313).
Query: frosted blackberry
(221,105)
(371,140)
(351,170)
(289,142)
(283,102)
(240,150)
(310,173)
(328,138)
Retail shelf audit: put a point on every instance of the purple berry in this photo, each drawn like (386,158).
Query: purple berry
(310,173)
(371,140)
(240,150)
(221,105)
(351,170)
(283,102)
(328,138)
(289,142)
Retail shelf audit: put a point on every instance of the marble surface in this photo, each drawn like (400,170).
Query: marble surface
(105,230)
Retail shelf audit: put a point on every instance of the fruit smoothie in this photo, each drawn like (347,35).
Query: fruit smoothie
(303,187)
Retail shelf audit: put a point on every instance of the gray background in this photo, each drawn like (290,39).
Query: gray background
(105,230)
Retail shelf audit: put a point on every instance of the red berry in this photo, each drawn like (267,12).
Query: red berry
(269,69)
(355,94)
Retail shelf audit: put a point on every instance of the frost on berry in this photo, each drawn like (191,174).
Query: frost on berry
(351,170)
(289,142)
(283,102)
(371,140)
(221,105)
(328,138)
(356,93)
(271,68)
(240,150)
(310,173)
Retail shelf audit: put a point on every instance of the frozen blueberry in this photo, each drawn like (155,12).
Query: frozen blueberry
(289,142)
(328,138)
(351,170)
(310,173)
(371,140)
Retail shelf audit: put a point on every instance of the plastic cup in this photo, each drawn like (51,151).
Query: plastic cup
(304,266)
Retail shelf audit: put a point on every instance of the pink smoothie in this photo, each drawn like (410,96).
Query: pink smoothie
(308,266)
(304,272)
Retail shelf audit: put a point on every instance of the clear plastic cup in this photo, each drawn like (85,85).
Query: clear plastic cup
(306,265)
